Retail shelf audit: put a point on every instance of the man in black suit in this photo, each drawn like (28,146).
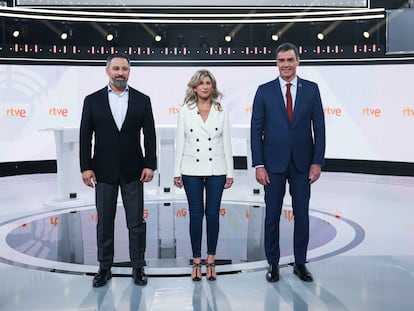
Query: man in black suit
(112,118)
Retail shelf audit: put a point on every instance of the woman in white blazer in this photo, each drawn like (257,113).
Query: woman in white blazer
(203,160)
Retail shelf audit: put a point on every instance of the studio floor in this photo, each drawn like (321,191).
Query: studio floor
(361,251)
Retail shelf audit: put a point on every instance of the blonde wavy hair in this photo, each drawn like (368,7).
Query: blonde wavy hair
(191,96)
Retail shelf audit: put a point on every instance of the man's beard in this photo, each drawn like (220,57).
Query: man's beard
(119,83)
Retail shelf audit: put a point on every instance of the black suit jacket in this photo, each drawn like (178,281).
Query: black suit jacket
(117,153)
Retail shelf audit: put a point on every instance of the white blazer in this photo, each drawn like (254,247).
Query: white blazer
(203,148)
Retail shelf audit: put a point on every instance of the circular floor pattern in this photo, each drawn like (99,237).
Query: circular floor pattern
(65,240)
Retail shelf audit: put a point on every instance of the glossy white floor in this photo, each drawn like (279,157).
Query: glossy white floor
(367,265)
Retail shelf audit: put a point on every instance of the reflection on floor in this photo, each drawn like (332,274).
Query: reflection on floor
(70,236)
(361,253)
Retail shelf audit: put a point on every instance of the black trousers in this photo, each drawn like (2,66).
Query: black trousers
(133,200)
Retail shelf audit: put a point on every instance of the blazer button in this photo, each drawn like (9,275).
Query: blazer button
(198,150)
(191,130)
(211,159)
(198,160)
(209,149)
(216,129)
(197,139)
(209,138)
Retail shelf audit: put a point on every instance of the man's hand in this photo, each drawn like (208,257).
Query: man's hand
(89,178)
(262,177)
(314,173)
(146,175)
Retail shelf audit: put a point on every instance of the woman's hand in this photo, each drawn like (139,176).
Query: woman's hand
(229,182)
(178,182)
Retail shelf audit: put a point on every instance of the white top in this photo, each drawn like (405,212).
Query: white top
(203,148)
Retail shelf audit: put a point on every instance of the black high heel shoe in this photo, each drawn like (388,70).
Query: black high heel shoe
(197,269)
(211,274)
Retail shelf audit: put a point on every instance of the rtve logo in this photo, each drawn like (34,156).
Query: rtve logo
(371,112)
(332,111)
(408,112)
(173,110)
(16,112)
(58,112)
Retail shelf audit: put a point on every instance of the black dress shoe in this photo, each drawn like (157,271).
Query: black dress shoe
(140,278)
(302,273)
(101,277)
(272,274)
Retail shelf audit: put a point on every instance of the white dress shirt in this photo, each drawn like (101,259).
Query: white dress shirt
(293,89)
(119,105)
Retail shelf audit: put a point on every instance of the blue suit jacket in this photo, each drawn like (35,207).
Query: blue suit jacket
(274,140)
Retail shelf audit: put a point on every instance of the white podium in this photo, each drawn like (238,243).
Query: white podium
(69,178)
(69,181)
(166,155)
(67,159)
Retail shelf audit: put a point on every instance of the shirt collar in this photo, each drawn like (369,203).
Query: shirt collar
(112,91)
(283,83)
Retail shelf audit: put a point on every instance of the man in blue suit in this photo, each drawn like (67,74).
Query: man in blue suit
(112,120)
(287,146)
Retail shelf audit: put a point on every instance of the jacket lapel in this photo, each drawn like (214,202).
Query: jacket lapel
(211,122)
(105,106)
(299,94)
(129,109)
(199,120)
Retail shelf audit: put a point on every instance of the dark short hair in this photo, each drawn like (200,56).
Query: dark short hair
(120,55)
(284,47)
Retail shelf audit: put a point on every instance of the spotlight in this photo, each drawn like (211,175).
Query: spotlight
(226,34)
(159,34)
(274,32)
(18,30)
(320,36)
(16,33)
(109,36)
(366,34)
(228,38)
(65,35)
(158,38)
(111,33)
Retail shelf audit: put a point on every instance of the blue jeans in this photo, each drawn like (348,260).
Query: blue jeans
(194,189)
